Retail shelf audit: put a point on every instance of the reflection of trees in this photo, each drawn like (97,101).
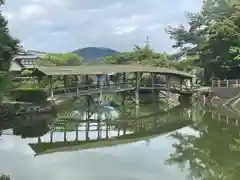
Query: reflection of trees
(31,125)
(150,121)
(213,154)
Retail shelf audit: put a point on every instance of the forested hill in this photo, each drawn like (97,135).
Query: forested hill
(94,53)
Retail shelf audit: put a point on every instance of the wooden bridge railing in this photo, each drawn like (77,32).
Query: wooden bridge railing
(226,83)
(127,85)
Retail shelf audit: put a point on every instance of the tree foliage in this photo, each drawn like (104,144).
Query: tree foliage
(213,38)
(146,56)
(212,153)
(63,59)
(8,49)
(8,45)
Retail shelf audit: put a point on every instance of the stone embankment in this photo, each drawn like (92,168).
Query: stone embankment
(228,97)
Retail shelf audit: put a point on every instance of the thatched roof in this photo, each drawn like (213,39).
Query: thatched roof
(105,69)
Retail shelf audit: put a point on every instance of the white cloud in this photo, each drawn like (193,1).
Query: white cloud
(124,30)
(117,24)
(59,33)
(32,12)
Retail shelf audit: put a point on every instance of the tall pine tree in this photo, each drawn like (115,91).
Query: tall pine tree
(212,38)
(8,49)
(8,45)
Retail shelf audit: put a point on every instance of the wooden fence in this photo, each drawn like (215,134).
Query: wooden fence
(226,83)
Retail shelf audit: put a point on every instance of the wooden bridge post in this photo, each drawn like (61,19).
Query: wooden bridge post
(106,80)
(87,116)
(107,129)
(138,120)
(51,135)
(39,140)
(192,83)
(118,80)
(125,79)
(86,81)
(98,81)
(154,91)
(168,86)
(51,87)
(168,83)
(181,84)
(76,78)
(65,84)
(137,88)
(65,132)
(99,117)
(76,138)
(153,81)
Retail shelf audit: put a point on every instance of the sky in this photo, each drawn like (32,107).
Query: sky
(66,25)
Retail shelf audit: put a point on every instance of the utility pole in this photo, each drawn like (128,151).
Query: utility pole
(147,40)
(149,51)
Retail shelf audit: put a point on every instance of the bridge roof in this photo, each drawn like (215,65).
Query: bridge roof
(106,69)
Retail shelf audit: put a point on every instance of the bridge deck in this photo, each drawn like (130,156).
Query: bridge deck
(90,90)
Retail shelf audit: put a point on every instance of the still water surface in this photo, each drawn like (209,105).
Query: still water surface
(186,142)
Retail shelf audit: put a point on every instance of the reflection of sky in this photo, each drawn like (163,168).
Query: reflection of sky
(124,162)
(106,112)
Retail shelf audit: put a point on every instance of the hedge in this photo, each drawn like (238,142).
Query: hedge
(29,95)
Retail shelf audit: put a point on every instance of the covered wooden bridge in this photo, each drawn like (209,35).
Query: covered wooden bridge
(115,78)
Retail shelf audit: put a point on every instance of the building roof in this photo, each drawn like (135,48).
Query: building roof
(15,67)
(25,57)
(105,69)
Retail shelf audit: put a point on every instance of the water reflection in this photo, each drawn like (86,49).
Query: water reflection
(33,125)
(76,136)
(184,142)
(212,151)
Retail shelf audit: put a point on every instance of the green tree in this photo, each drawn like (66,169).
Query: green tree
(63,59)
(144,56)
(213,38)
(9,46)
(8,49)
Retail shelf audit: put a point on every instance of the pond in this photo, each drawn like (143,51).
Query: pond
(147,143)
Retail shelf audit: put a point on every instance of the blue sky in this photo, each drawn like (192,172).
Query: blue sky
(65,25)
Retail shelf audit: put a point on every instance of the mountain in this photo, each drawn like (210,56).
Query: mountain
(90,54)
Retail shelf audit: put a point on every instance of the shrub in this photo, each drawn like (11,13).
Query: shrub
(26,73)
(29,95)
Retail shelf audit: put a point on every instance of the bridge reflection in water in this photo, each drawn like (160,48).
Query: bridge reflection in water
(208,147)
(75,136)
(48,135)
